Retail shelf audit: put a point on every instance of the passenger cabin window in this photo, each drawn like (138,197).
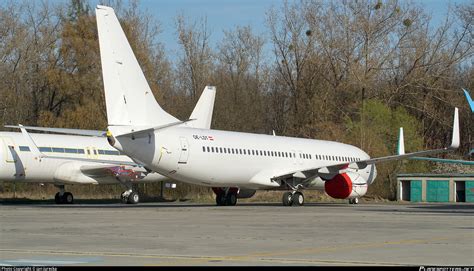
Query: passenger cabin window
(68,150)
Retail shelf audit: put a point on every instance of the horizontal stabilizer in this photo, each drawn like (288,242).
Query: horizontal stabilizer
(138,131)
(202,113)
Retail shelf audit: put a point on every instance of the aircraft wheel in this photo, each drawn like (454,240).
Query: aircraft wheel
(133,198)
(287,199)
(297,199)
(123,198)
(220,200)
(231,200)
(57,198)
(68,198)
(353,201)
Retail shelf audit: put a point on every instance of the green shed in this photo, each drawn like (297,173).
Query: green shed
(418,187)
(415,191)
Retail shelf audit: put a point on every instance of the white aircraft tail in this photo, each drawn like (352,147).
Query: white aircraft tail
(202,113)
(129,99)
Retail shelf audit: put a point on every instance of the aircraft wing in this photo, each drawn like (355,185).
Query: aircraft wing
(124,172)
(62,130)
(440,160)
(40,155)
(361,164)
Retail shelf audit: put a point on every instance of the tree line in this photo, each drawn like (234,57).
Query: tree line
(351,71)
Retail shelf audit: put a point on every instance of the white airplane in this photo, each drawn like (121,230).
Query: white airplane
(234,164)
(229,162)
(86,159)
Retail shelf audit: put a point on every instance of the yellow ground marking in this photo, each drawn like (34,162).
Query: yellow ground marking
(252,257)
(256,256)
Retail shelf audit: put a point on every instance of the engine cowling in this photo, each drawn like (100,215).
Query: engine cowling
(241,193)
(246,193)
(346,186)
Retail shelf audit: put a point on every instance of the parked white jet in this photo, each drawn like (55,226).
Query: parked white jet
(81,159)
(234,164)
(229,162)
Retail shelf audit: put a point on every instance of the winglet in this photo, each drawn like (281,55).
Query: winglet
(34,149)
(469,99)
(455,142)
(401,143)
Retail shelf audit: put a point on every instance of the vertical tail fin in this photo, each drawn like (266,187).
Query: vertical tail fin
(128,96)
(202,113)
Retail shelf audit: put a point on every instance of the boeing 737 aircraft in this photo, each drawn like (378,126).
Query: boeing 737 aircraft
(226,161)
(234,164)
(81,159)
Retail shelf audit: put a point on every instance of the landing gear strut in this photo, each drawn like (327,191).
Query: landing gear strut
(295,197)
(63,197)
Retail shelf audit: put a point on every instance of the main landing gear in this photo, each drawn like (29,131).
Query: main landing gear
(295,198)
(226,196)
(354,201)
(63,197)
(130,197)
